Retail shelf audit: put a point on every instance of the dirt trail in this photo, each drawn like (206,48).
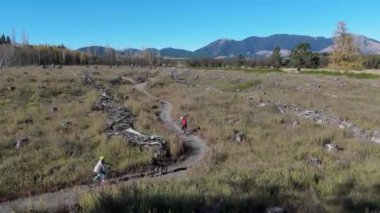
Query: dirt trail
(69,196)
(196,146)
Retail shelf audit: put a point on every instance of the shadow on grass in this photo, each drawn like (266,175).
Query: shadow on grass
(157,202)
(195,198)
(344,199)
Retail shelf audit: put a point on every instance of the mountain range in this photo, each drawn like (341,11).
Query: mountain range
(250,47)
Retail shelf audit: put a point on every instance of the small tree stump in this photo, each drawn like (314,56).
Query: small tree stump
(20,142)
(375,136)
(314,161)
(332,147)
(66,124)
(238,136)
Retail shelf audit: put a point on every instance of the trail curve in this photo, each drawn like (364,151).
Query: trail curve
(195,146)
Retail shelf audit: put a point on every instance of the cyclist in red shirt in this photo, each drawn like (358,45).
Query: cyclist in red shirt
(183,123)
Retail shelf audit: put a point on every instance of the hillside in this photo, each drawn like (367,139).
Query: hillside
(253,46)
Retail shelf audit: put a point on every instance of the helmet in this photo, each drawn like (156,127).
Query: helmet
(101,158)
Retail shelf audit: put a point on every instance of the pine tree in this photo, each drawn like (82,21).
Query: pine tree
(300,56)
(2,39)
(276,57)
(345,54)
(8,40)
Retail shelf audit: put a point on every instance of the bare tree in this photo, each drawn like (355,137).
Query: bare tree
(13,34)
(25,38)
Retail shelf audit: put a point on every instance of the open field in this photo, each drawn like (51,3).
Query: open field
(53,110)
(267,169)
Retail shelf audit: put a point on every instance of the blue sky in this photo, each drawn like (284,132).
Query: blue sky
(187,24)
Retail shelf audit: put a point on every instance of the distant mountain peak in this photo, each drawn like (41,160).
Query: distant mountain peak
(253,46)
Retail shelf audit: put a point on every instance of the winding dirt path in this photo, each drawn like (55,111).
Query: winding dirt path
(68,197)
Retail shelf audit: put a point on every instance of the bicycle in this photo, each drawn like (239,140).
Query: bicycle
(99,180)
(96,180)
(159,166)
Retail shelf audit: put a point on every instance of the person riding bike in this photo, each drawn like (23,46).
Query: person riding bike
(100,170)
(154,159)
(183,123)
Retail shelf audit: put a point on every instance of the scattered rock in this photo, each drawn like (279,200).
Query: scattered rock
(12,88)
(314,161)
(66,124)
(21,141)
(321,118)
(25,121)
(294,124)
(376,136)
(54,109)
(332,147)
(238,136)
(262,104)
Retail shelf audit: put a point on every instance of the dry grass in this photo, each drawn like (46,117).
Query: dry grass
(269,168)
(58,156)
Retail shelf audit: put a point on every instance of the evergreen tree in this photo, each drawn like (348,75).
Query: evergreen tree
(301,55)
(276,57)
(2,39)
(345,54)
(8,40)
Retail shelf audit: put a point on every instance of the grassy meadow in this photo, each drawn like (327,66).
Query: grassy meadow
(65,142)
(268,169)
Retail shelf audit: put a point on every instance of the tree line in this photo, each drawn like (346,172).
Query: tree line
(344,55)
(5,40)
(17,55)
(14,54)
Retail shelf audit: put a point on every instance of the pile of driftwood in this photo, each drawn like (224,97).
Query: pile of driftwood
(177,78)
(323,118)
(120,120)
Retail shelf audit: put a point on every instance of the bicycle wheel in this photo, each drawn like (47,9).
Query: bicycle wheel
(94,181)
(164,169)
